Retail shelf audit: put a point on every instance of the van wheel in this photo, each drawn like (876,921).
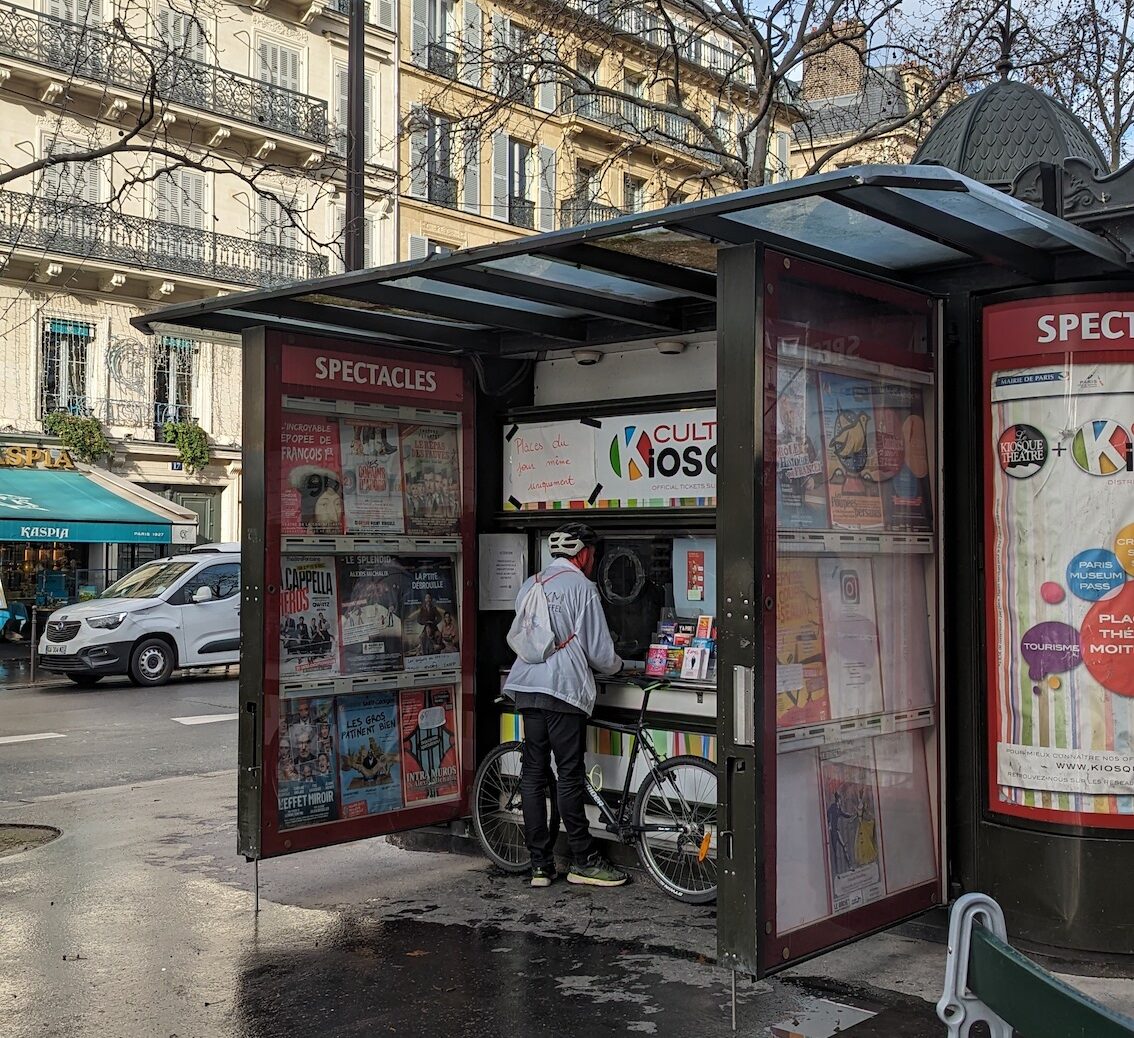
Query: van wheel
(85,680)
(151,662)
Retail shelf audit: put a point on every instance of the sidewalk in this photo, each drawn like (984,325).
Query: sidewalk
(138,921)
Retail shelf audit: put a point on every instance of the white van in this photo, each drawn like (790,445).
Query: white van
(167,614)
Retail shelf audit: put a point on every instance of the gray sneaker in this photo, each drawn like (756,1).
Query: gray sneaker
(596,872)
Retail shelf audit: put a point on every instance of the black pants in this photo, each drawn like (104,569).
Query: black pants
(548,732)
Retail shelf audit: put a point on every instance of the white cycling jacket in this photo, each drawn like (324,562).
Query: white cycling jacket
(580,627)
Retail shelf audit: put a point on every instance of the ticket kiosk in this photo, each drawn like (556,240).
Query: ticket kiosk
(809,466)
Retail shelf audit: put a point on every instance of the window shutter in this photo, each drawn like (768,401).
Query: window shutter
(472,43)
(500,53)
(64,9)
(500,176)
(194,187)
(267,53)
(290,69)
(419,172)
(163,198)
(166,29)
(338,237)
(369,244)
(368,120)
(418,247)
(342,84)
(387,15)
(90,176)
(471,197)
(783,144)
(546,100)
(546,188)
(92,12)
(419,33)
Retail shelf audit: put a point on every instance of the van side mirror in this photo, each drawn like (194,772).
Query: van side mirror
(203,594)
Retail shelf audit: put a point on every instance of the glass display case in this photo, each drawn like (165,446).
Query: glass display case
(366,626)
(850,648)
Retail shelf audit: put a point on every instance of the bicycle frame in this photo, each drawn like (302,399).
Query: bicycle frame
(618,823)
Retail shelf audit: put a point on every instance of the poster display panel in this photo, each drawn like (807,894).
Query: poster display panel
(1059,475)
(359,672)
(849,476)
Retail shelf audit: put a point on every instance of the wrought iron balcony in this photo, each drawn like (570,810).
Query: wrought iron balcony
(441,60)
(70,48)
(92,232)
(443,189)
(521,212)
(577,211)
(633,118)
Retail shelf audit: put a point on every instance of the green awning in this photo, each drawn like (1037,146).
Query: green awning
(42,505)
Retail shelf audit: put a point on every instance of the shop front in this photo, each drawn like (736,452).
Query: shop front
(765,404)
(62,523)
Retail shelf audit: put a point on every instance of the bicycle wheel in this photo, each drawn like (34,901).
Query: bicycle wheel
(681,792)
(497,814)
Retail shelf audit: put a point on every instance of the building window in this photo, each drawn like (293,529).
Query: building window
(441,55)
(521,206)
(278,228)
(342,89)
(370,249)
(279,65)
(175,373)
(421,247)
(63,366)
(513,77)
(633,193)
(442,184)
(179,200)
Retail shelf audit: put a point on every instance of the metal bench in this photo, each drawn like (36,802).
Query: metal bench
(987,980)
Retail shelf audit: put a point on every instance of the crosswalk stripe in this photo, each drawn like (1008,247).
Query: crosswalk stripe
(31,738)
(205,718)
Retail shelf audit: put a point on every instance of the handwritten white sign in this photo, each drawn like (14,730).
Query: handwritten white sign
(553,462)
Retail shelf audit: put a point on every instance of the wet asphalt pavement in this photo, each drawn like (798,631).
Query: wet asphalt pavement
(139,922)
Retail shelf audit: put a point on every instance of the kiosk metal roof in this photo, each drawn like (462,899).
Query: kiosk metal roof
(652,274)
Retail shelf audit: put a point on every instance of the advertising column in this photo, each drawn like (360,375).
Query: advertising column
(366,662)
(1060,534)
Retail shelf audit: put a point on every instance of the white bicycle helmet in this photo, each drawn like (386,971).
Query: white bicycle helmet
(569,539)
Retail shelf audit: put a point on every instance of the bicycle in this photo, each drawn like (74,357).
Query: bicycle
(671,822)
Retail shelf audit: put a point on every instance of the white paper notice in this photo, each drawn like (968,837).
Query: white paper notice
(503,569)
(850,636)
(553,462)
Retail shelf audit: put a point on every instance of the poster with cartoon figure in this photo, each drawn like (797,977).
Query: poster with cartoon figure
(903,457)
(311,491)
(433,479)
(851,452)
(1061,468)
(306,763)
(801,471)
(369,754)
(372,476)
(850,804)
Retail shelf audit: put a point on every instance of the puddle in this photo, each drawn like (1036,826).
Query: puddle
(14,839)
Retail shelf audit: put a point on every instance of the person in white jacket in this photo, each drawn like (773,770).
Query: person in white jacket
(555,698)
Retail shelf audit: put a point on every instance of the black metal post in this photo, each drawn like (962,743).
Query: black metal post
(354,227)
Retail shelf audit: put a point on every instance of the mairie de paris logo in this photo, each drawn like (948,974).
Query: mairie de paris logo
(631,454)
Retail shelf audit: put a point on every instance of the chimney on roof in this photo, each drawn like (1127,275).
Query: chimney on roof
(838,63)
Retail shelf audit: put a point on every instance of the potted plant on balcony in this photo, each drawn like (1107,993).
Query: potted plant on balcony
(81,434)
(191,442)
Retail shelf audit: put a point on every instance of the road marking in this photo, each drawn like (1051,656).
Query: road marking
(31,738)
(205,718)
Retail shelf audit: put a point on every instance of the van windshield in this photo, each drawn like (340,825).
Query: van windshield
(149,581)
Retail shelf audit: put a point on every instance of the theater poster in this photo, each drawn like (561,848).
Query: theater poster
(1061,540)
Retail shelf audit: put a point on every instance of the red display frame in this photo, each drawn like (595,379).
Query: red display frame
(1002,323)
(777,950)
(393,378)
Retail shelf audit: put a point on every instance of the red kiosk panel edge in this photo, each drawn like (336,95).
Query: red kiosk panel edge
(331,370)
